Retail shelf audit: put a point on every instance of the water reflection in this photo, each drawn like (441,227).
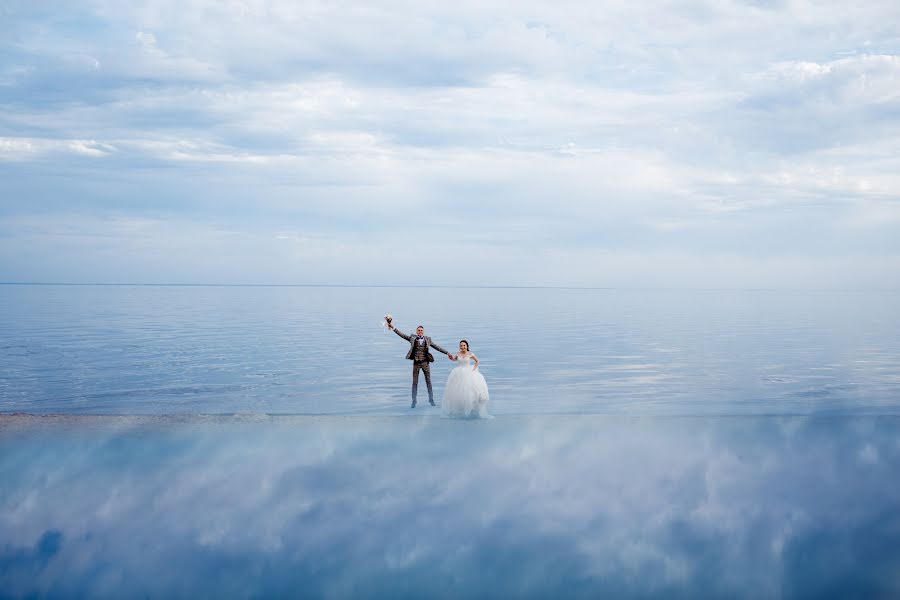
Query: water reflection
(373,506)
(162,350)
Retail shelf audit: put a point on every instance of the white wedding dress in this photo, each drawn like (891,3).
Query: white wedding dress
(466,395)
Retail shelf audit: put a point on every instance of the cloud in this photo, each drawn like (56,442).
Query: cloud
(309,505)
(801,105)
(693,128)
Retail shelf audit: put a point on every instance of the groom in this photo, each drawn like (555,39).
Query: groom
(421,357)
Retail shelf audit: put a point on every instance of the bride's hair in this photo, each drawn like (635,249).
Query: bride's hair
(466,343)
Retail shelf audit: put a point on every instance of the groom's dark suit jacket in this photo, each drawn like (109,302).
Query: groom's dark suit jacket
(411,355)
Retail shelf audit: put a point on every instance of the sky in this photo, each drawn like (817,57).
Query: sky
(617,144)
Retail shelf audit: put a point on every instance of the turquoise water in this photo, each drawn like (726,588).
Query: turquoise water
(160,441)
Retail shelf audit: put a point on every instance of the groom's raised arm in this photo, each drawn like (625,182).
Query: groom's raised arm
(401,334)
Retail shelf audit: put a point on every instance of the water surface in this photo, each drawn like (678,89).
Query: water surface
(523,506)
(311,350)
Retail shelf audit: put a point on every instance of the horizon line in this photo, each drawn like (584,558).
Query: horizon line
(440,286)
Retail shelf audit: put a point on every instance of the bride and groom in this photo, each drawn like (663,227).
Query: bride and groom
(466,394)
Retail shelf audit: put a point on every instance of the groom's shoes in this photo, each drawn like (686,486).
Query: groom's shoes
(431,402)
(413,405)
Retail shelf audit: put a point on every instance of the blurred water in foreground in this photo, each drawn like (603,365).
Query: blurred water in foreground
(307,350)
(528,506)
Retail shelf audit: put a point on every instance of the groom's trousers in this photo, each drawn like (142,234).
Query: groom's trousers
(425,367)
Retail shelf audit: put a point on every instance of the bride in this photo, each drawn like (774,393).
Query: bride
(466,394)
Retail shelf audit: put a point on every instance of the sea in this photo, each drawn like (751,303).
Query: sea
(258,441)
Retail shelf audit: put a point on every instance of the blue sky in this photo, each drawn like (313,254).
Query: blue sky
(677,144)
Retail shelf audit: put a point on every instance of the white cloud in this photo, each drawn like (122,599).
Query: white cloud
(856,81)
(23,149)
(690,128)
(148,40)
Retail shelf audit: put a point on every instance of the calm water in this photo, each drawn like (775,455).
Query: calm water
(385,507)
(215,350)
(257,442)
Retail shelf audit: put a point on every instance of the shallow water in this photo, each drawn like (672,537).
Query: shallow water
(309,350)
(258,441)
(528,506)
